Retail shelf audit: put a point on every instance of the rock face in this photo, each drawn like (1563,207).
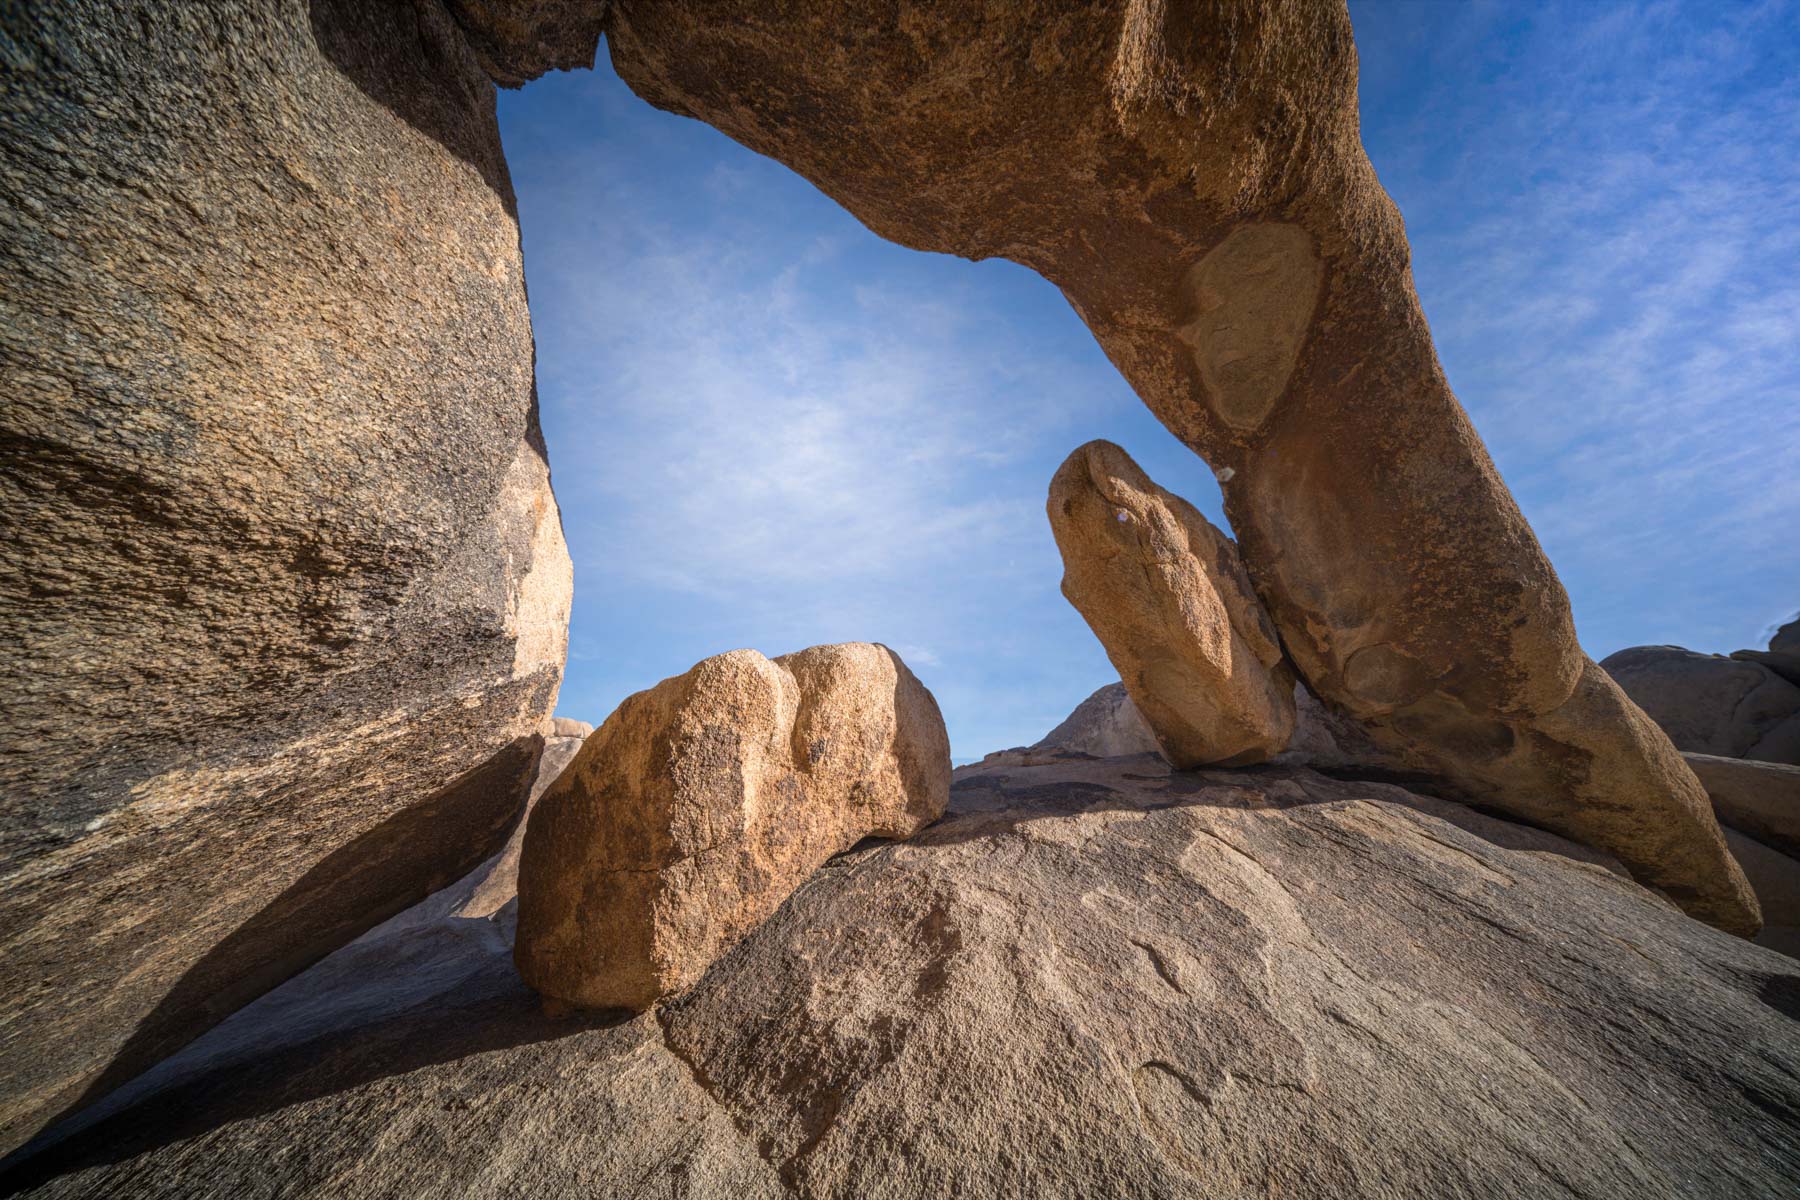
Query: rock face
(1191,177)
(1118,982)
(1710,704)
(1105,725)
(1166,595)
(285,591)
(1783,654)
(517,41)
(1761,799)
(702,803)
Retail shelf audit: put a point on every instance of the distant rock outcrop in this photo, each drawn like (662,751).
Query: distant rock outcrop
(1092,979)
(702,803)
(285,594)
(1710,704)
(1783,654)
(1166,595)
(1105,725)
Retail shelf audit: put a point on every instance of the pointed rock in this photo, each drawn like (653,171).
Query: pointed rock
(1166,595)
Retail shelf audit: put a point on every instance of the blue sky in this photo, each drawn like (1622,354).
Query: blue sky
(769,428)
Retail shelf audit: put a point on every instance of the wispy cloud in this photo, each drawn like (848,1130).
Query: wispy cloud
(1605,209)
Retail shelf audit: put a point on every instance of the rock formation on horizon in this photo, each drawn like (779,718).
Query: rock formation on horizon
(1711,703)
(286,597)
(1782,655)
(702,803)
(1091,979)
(1166,595)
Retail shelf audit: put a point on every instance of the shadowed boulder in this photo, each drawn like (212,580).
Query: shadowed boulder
(283,575)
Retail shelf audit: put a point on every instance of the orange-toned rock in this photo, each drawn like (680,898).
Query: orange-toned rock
(1191,177)
(702,803)
(1166,595)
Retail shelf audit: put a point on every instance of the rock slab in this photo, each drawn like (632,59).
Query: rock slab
(1165,593)
(702,803)
(1093,979)
(1761,799)
(284,588)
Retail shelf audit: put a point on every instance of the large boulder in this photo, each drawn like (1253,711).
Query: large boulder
(284,585)
(1094,979)
(1166,595)
(702,803)
(1710,704)
(1191,178)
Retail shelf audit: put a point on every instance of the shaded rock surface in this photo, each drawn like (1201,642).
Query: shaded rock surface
(516,41)
(1166,595)
(1095,978)
(1776,878)
(284,585)
(1783,654)
(1761,799)
(1191,178)
(1710,704)
(496,882)
(700,805)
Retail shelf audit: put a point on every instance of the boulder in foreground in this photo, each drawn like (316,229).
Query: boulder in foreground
(284,586)
(1094,979)
(702,803)
(1166,595)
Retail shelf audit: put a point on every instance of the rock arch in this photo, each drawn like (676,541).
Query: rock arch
(272,457)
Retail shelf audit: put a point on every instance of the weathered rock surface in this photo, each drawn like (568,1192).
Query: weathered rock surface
(702,803)
(284,588)
(1710,704)
(517,40)
(1191,177)
(1095,979)
(1783,654)
(1761,799)
(1166,595)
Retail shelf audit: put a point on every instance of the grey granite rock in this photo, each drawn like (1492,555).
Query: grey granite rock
(1095,978)
(284,588)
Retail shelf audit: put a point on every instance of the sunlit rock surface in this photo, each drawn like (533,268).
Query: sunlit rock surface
(1094,978)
